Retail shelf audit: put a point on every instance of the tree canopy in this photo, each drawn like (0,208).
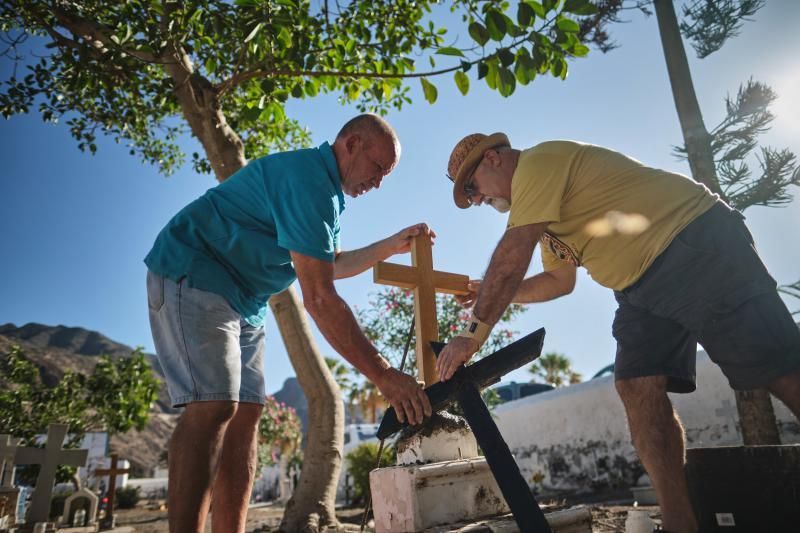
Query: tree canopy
(125,69)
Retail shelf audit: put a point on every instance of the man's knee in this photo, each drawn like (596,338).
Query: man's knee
(211,414)
(248,414)
(634,390)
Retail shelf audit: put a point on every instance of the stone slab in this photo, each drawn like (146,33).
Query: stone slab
(416,498)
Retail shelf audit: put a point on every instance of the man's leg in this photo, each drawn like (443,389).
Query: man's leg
(787,390)
(658,437)
(194,453)
(237,468)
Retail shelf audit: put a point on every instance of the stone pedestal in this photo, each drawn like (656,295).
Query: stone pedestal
(415,498)
(439,479)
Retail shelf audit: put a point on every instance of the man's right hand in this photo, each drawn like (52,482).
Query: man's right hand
(468,300)
(406,396)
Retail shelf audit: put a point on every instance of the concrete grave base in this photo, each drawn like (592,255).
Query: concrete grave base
(416,498)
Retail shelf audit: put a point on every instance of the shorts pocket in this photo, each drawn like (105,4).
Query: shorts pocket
(155,292)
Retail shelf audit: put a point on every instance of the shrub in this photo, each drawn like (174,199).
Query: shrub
(127,497)
(361,461)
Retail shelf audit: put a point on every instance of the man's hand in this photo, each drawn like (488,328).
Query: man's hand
(400,242)
(406,396)
(468,300)
(457,352)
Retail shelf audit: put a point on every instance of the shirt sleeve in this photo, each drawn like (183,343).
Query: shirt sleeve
(307,219)
(550,261)
(538,188)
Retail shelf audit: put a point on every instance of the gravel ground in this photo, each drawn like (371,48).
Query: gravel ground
(148,518)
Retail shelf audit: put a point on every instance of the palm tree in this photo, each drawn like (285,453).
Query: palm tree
(556,369)
(342,374)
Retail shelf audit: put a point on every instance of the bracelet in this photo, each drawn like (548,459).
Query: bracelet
(476,329)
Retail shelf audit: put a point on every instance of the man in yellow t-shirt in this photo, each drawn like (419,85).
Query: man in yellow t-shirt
(680,261)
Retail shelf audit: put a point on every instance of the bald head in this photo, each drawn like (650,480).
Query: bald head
(367,150)
(370,128)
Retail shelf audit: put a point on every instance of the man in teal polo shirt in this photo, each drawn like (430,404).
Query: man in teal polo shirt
(210,274)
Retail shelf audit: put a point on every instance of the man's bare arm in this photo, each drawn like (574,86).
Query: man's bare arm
(546,286)
(338,325)
(509,263)
(354,262)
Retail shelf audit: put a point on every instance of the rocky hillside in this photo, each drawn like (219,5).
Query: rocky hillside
(55,349)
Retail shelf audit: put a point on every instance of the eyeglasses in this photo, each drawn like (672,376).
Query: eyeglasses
(469,186)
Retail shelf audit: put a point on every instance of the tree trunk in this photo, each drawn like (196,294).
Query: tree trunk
(757,418)
(312,505)
(756,415)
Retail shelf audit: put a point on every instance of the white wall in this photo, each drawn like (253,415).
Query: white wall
(576,438)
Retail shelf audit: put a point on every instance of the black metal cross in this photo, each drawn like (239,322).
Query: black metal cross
(464,387)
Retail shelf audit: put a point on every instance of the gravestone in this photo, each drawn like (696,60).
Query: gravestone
(108,520)
(82,500)
(9,494)
(48,458)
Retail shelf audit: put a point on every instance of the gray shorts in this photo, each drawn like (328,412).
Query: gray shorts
(709,287)
(206,350)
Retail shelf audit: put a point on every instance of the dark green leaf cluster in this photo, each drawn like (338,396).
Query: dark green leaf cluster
(116,398)
(733,142)
(709,23)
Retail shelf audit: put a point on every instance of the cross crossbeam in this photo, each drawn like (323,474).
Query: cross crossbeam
(426,282)
(49,458)
(8,449)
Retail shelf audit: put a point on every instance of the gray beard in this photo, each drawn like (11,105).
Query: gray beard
(501,205)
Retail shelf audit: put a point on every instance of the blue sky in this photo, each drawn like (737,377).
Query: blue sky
(76,227)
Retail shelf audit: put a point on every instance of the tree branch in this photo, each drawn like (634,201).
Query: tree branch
(97,35)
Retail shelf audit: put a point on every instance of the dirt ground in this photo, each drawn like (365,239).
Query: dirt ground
(148,518)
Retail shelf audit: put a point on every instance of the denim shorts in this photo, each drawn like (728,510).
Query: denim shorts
(709,287)
(206,350)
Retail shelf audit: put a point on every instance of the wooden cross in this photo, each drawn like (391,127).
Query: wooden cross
(426,282)
(112,474)
(8,449)
(49,458)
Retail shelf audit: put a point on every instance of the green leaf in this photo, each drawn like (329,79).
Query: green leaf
(525,14)
(506,82)
(479,33)
(580,50)
(430,90)
(506,56)
(483,70)
(465,66)
(580,7)
(284,38)
(537,8)
(312,87)
(450,51)
(254,32)
(568,25)
(462,82)
(496,24)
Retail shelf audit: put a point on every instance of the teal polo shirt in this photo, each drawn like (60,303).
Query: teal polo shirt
(235,239)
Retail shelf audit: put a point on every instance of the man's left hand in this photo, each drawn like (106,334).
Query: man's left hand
(400,242)
(457,352)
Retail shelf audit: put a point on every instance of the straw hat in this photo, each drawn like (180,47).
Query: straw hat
(465,158)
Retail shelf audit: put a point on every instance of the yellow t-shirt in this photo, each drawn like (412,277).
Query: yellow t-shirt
(584,191)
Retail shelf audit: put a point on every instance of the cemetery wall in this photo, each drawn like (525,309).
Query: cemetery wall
(575,439)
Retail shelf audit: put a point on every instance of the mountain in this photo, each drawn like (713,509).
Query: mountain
(292,395)
(55,349)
